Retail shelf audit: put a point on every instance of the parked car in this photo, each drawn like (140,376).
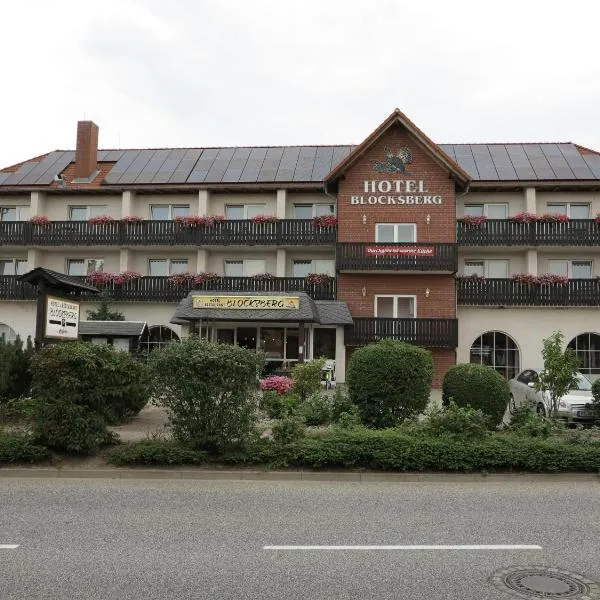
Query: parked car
(575,407)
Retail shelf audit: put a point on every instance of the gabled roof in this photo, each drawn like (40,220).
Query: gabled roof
(398,117)
(57,280)
(112,328)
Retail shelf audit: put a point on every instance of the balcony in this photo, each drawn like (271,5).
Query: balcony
(365,257)
(507,292)
(160,289)
(504,232)
(431,333)
(286,232)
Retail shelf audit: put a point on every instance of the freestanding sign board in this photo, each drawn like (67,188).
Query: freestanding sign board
(62,318)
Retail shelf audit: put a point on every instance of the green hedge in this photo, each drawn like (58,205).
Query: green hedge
(388,450)
(21,447)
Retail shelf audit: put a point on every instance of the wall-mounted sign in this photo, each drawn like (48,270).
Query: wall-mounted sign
(62,319)
(404,191)
(395,162)
(400,251)
(247,302)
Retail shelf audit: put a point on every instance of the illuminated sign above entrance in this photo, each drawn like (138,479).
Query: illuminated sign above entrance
(247,302)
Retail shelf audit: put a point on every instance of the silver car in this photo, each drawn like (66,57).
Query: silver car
(575,407)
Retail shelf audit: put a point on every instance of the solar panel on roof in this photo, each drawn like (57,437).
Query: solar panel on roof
(4,176)
(339,154)
(464,157)
(483,162)
(136,167)
(288,163)
(203,165)
(101,155)
(305,164)
(268,170)
(593,162)
(236,165)
(184,168)
(322,164)
(502,162)
(575,161)
(539,162)
(219,166)
(16,177)
(56,168)
(449,150)
(520,162)
(121,166)
(557,161)
(253,165)
(153,166)
(168,166)
(113,155)
(46,163)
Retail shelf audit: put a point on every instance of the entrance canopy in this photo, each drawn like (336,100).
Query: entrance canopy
(284,307)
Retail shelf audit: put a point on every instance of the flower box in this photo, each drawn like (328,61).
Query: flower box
(40,220)
(265,219)
(263,276)
(198,221)
(132,219)
(100,220)
(326,221)
(317,279)
(98,278)
(472,221)
(544,279)
(473,277)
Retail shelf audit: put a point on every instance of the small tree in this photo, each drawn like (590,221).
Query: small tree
(559,373)
(104,313)
(15,379)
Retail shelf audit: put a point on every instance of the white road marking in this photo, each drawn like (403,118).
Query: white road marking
(414,547)
(8,546)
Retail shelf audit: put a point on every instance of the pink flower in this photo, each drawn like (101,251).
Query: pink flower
(196,221)
(132,219)
(39,220)
(317,278)
(544,279)
(265,219)
(100,220)
(277,383)
(326,221)
(472,221)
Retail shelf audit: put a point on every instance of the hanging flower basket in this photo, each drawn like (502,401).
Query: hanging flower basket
(546,278)
(132,219)
(326,221)
(265,219)
(100,220)
(317,279)
(263,276)
(472,221)
(40,220)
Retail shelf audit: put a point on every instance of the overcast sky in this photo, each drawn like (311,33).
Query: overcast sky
(156,73)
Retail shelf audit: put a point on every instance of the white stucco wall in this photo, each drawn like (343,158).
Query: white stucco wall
(545,198)
(19,315)
(515,201)
(306,198)
(56,207)
(516,257)
(217,202)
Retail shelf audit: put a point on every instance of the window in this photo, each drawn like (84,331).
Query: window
(244,211)
(572,210)
(301,268)
(587,348)
(244,268)
(395,307)
(84,266)
(161,267)
(492,269)
(8,333)
(491,211)
(395,232)
(14,213)
(167,212)
(573,269)
(159,335)
(324,343)
(83,213)
(13,266)
(308,211)
(497,350)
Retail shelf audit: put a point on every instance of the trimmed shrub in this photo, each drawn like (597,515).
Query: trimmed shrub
(15,358)
(457,421)
(111,384)
(277,406)
(389,381)
(478,386)
(156,452)
(210,391)
(316,409)
(307,377)
(340,403)
(288,430)
(21,447)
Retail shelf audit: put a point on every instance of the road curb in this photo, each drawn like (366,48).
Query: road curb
(290,476)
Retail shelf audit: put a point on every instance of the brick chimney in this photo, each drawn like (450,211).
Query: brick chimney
(86,154)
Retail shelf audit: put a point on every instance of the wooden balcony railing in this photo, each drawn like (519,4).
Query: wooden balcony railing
(504,232)
(160,289)
(507,292)
(431,333)
(366,256)
(287,232)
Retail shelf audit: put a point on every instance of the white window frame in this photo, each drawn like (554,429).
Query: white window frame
(15,262)
(168,261)
(313,206)
(170,207)
(396,225)
(244,269)
(568,207)
(88,210)
(570,262)
(245,208)
(485,206)
(313,266)
(86,261)
(18,208)
(485,262)
(395,304)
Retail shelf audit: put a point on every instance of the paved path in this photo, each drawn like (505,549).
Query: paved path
(141,539)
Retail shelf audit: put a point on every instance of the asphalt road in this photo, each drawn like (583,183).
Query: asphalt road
(143,539)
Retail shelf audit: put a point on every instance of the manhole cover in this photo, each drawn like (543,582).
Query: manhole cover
(545,582)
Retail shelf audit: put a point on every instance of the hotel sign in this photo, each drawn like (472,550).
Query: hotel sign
(62,319)
(395,191)
(400,251)
(247,302)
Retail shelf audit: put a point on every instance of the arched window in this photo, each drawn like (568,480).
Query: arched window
(8,333)
(587,347)
(497,350)
(159,335)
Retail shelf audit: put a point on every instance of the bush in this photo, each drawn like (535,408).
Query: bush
(389,381)
(478,386)
(18,409)
(111,384)
(277,406)
(307,377)
(21,447)
(340,403)
(276,383)
(316,409)
(70,428)
(596,391)
(156,452)
(209,391)
(15,379)
(348,419)
(529,423)
(288,430)
(457,421)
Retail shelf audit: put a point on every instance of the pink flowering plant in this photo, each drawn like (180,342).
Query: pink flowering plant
(132,219)
(191,279)
(544,279)
(326,221)
(317,279)
(99,279)
(277,383)
(40,220)
(265,219)
(100,220)
(473,221)
(527,217)
(199,221)
(264,276)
